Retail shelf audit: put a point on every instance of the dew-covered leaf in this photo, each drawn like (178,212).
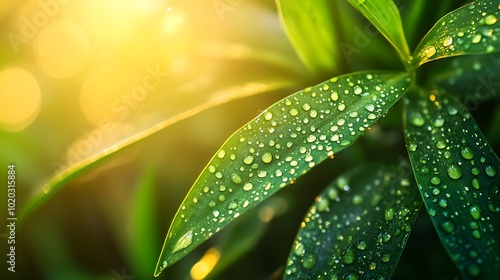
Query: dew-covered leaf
(384,15)
(471,29)
(362,221)
(474,79)
(458,176)
(274,149)
(310,28)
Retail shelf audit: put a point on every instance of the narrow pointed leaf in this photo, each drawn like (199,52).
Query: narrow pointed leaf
(471,29)
(309,26)
(458,176)
(275,148)
(362,221)
(74,170)
(384,15)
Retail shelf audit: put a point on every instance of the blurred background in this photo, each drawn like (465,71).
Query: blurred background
(77,77)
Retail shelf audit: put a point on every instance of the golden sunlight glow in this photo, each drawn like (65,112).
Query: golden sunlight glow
(201,269)
(62,49)
(105,95)
(20,99)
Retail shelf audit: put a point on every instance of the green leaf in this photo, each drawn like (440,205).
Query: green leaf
(384,15)
(481,83)
(66,175)
(458,176)
(362,221)
(471,29)
(275,148)
(309,26)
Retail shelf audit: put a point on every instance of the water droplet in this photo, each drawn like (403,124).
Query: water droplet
(386,257)
(309,261)
(233,205)
(341,107)
(183,242)
(358,90)
(326,87)
(294,112)
(417,120)
(236,178)
(412,147)
(477,38)
(298,249)
(370,107)
(447,41)
(349,256)
(435,181)
(440,144)
(248,160)
(361,245)
(429,51)
(448,226)
(467,152)
(334,96)
(267,157)
(490,171)
(475,212)
(268,116)
(473,270)
(221,154)
(389,214)
(443,203)
(490,19)
(454,171)
(311,138)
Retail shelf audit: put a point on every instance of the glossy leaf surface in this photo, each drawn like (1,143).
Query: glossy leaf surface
(357,227)
(384,15)
(310,28)
(275,148)
(471,29)
(458,176)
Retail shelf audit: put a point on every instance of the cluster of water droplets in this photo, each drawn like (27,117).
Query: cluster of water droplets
(457,173)
(356,228)
(452,35)
(278,146)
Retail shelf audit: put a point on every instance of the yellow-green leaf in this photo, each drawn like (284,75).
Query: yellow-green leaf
(274,149)
(471,29)
(384,15)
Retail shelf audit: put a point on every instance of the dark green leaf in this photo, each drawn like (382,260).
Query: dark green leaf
(310,28)
(458,176)
(275,148)
(384,15)
(474,79)
(471,29)
(362,221)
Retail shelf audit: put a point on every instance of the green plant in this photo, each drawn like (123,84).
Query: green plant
(363,219)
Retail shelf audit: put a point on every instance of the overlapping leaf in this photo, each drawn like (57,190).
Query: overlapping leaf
(310,28)
(275,148)
(458,176)
(358,226)
(471,29)
(384,15)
